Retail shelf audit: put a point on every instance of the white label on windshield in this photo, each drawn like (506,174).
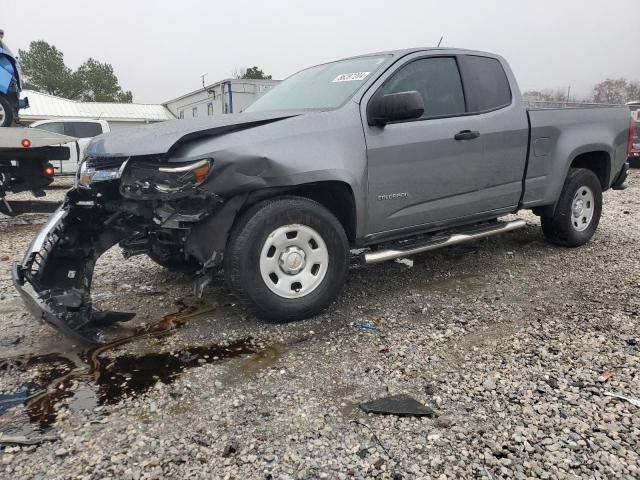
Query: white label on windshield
(351,77)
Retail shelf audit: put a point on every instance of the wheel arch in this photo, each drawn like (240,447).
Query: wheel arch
(208,239)
(597,161)
(336,196)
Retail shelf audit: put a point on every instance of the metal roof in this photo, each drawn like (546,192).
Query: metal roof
(43,106)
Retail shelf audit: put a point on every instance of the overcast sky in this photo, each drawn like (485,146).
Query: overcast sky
(159,48)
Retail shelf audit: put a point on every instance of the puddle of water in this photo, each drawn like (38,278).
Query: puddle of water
(94,379)
(262,359)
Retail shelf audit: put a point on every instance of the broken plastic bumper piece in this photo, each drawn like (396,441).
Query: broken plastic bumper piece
(54,278)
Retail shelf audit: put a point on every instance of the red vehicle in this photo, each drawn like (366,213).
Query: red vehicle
(634,143)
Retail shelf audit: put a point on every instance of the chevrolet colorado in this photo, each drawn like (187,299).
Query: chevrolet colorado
(398,153)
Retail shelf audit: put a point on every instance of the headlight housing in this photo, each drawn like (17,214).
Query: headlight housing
(160,180)
(94,170)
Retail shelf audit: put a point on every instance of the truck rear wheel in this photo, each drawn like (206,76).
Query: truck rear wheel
(6,112)
(578,210)
(288,258)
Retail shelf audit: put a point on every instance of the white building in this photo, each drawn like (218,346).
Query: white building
(225,96)
(119,115)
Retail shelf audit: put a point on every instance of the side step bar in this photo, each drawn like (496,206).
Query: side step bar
(441,242)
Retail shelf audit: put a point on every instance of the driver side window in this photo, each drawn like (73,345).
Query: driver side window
(437,79)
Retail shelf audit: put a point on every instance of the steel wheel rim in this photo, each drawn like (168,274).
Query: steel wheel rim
(582,208)
(293,261)
(3,114)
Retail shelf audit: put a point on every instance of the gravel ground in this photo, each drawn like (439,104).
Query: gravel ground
(512,341)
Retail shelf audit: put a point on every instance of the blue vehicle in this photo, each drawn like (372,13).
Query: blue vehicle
(10,86)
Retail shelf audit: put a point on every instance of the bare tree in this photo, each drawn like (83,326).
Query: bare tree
(546,95)
(633,91)
(239,72)
(611,91)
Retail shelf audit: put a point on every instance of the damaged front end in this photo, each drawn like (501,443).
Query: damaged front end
(146,205)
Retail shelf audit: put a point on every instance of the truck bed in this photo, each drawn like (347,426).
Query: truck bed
(563,132)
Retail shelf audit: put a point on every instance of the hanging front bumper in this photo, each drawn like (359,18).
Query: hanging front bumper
(54,277)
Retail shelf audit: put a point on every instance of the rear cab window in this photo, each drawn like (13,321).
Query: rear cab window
(82,129)
(486,84)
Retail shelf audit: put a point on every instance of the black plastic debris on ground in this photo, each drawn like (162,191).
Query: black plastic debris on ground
(402,405)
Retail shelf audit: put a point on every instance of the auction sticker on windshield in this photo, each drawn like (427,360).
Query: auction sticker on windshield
(351,77)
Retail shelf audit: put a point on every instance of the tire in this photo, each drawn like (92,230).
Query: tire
(577,212)
(6,112)
(287,258)
(173,261)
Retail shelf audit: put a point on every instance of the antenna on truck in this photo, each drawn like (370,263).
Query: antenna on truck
(440,40)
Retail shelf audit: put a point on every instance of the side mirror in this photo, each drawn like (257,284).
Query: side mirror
(394,107)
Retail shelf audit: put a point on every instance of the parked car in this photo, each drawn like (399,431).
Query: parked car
(634,149)
(397,153)
(82,129)
(10,86)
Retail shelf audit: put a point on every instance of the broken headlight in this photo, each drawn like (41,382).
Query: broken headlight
(156,180)
(93,170)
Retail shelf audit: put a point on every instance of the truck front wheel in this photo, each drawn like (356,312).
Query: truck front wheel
(6,112)
(577,213)
(287,258)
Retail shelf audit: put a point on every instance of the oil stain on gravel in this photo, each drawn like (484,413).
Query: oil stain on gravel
(83,383)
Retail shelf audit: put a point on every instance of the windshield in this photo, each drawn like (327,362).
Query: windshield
(319,88)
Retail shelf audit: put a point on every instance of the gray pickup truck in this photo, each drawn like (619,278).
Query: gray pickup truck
(395,153)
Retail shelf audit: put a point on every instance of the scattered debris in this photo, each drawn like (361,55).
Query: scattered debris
(402,405)
(229,450)
(363,453)
(10,342)
(364,325)
(404,261)
(552,382)
(631,400)
(10,400)
(605,376)
(24,440)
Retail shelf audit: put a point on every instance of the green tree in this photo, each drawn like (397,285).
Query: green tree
(100,84)
(44,70)
(253,73)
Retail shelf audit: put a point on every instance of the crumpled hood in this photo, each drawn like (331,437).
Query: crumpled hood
(162,137)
